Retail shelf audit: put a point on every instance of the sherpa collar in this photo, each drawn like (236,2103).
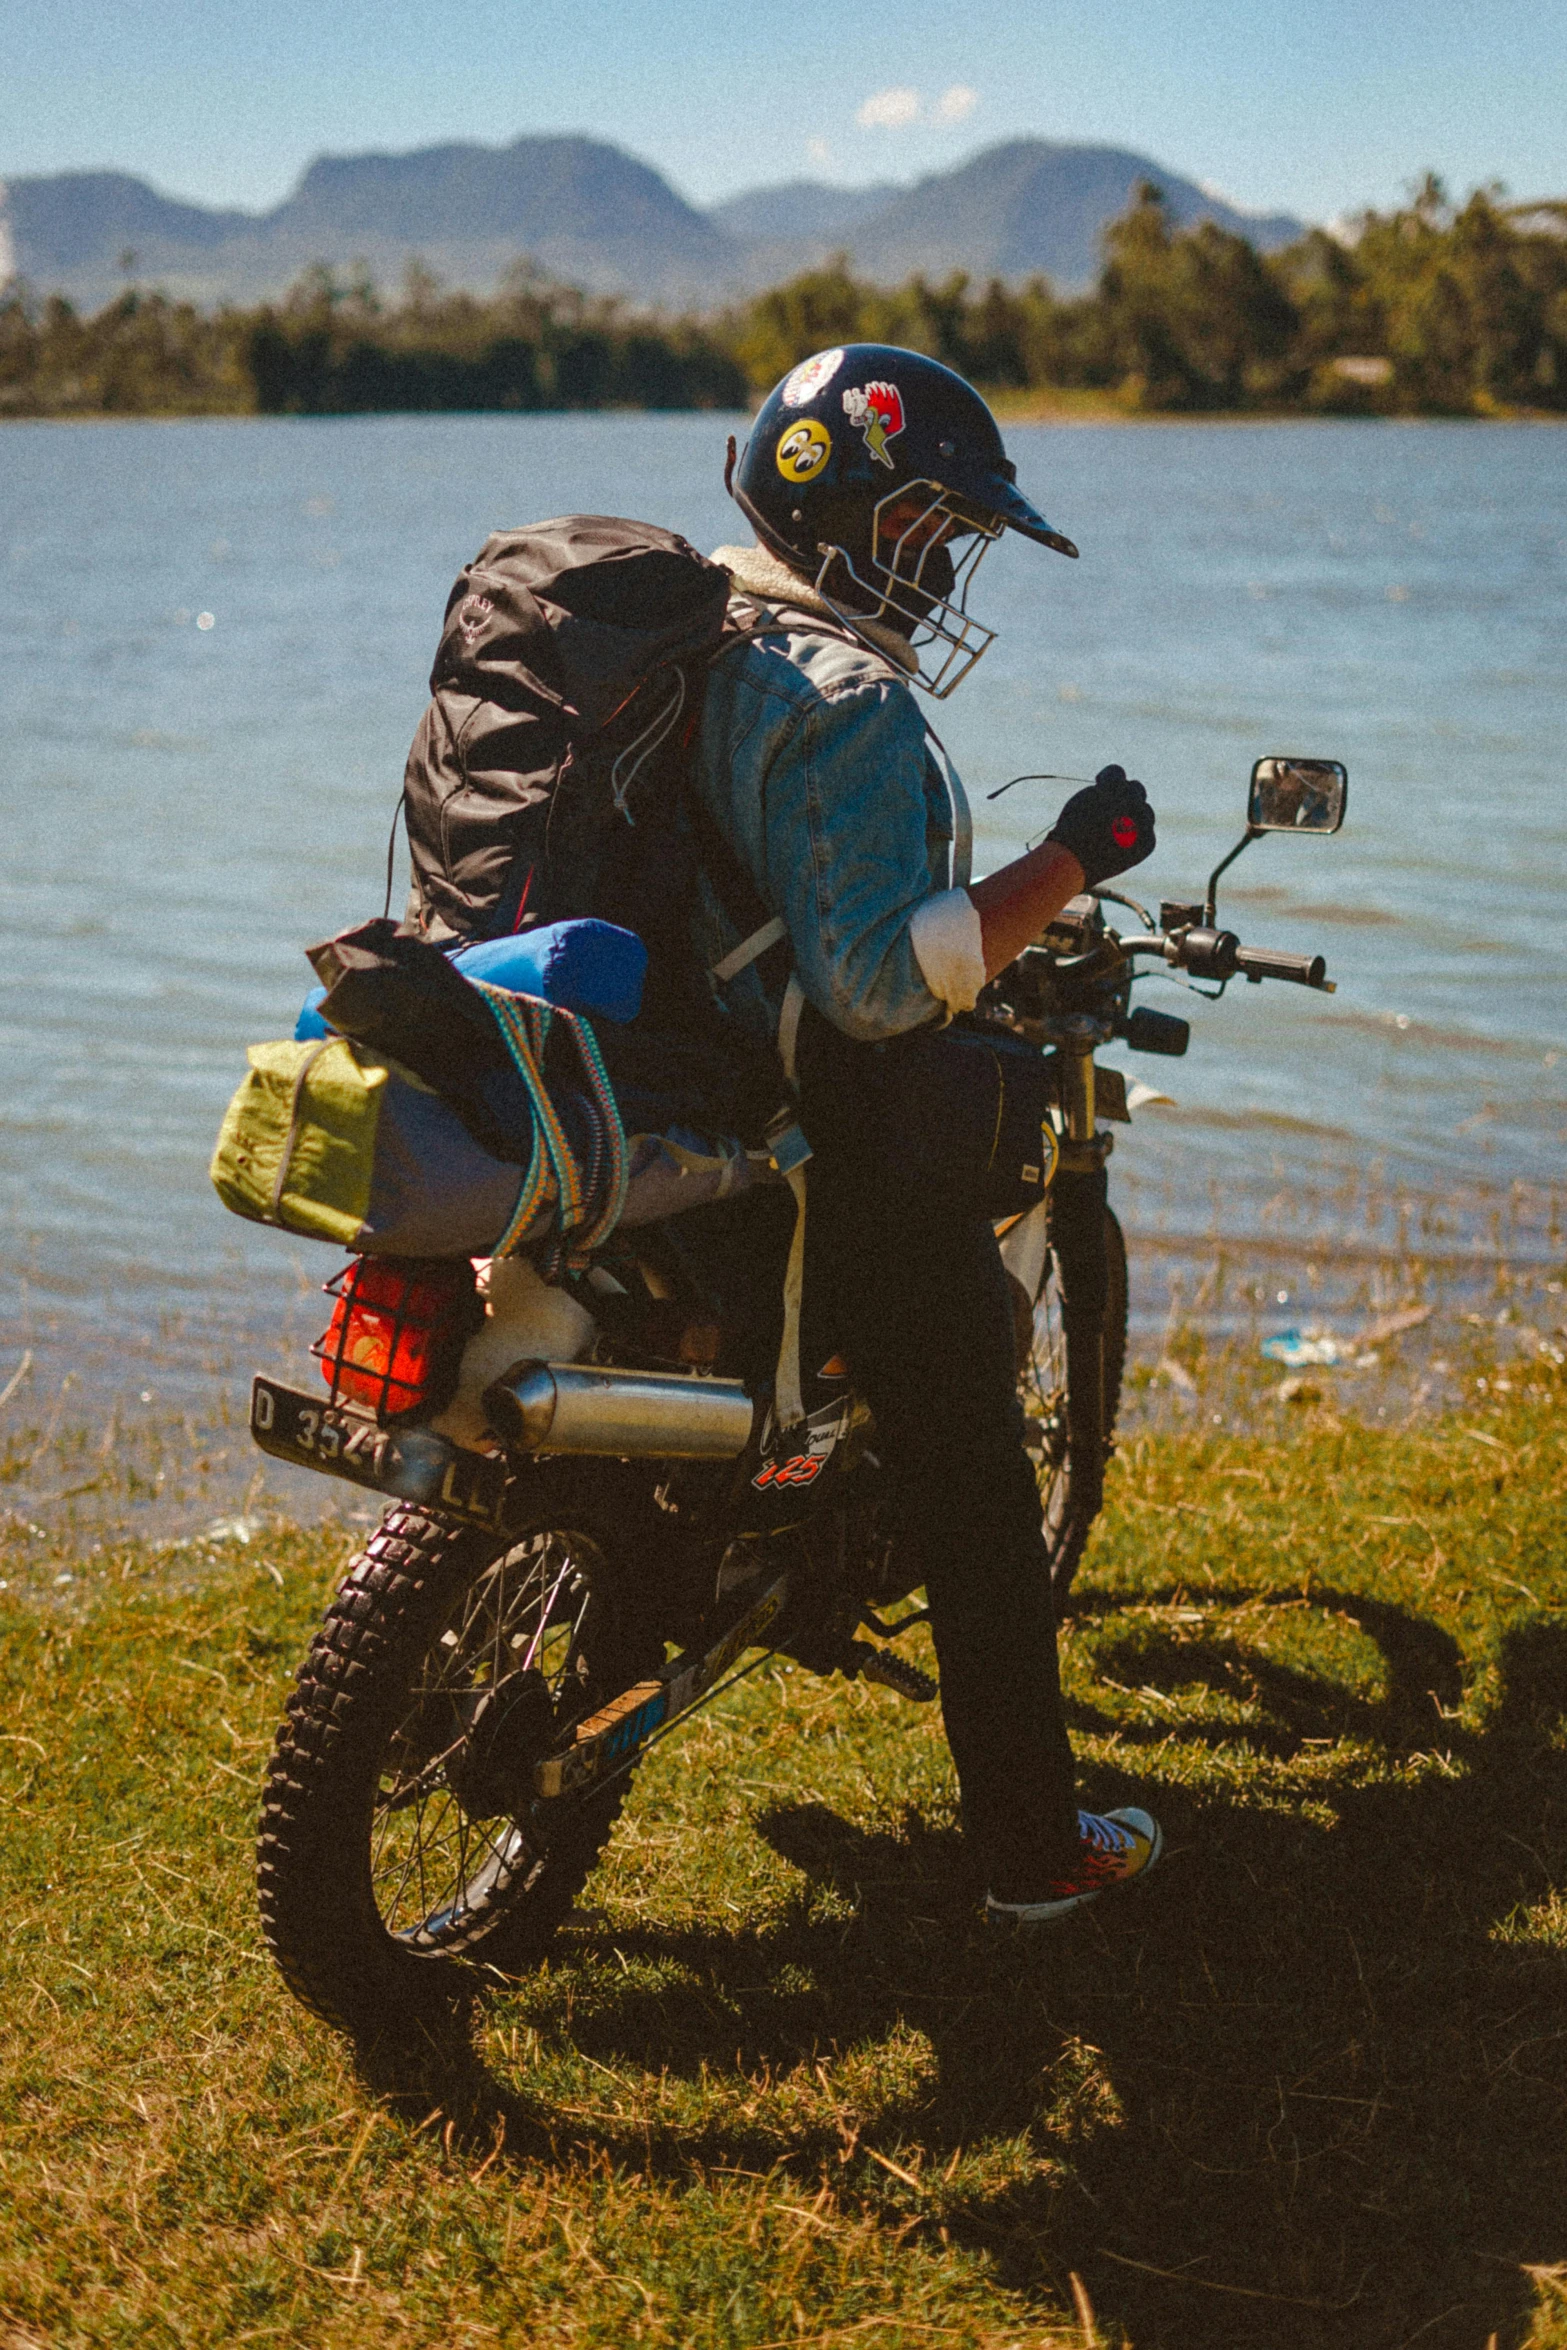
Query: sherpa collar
(757,572)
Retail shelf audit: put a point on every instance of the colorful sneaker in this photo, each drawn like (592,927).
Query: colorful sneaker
(1115,1847)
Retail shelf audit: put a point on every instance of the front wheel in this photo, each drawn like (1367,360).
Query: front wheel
(400,1837)
(1070,1382)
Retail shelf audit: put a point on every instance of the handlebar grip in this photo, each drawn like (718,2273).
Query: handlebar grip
(1264,963)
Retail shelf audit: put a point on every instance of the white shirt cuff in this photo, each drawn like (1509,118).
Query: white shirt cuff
(949,949)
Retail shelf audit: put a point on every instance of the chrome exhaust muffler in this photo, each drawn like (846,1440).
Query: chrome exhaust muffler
(626,1415)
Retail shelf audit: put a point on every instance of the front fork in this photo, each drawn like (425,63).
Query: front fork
(1078,1203)
(1077,1098)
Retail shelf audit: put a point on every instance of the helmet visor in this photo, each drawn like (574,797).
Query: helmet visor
(991,502)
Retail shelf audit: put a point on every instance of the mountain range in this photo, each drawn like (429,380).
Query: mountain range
(590,215)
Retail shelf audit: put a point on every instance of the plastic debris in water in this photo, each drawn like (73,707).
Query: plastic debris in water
(1299,1349)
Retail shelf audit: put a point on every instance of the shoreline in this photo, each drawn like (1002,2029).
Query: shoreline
(1009,408)
(113,1446)
(1045,407)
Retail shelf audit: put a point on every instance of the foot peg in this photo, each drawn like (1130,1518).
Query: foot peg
(894,1672)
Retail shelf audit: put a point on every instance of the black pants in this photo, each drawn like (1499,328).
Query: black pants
(920,1306)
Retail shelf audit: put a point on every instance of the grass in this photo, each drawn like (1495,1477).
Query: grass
(780,2087)
(1062,404)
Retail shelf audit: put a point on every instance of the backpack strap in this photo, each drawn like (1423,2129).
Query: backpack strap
(786,1144)
(788,1392)
(789,1027)
(747,952)
(957,801)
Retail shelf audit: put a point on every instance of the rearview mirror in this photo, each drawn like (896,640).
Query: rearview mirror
(1297,795)
(1286,795)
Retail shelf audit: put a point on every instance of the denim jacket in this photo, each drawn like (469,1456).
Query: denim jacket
(813,765)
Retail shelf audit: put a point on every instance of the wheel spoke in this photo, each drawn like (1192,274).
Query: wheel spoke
(392,1908)
(445,1858)
(545,1613)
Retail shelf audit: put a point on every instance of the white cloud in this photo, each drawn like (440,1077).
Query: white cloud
(818,150)
(896,108)
(889,110)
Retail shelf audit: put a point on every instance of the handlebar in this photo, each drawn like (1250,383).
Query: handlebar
(1219,954)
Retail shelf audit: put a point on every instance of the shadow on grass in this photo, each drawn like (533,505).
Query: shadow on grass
(1309,2087)
(1421,1672)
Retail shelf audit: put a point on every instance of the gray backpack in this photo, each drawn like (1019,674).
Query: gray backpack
(543,781)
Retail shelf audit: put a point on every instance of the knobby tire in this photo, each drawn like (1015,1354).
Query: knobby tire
(1058,1400)
(379,1946)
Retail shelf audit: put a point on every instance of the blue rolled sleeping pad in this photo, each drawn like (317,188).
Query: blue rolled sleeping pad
(586,966)
(310,1024)
(591,967)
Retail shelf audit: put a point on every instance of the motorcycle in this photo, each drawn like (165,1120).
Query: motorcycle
(618,1531)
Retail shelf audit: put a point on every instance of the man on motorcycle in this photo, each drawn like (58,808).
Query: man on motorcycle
(874,480)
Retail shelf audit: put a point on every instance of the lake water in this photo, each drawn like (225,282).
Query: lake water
(217,637)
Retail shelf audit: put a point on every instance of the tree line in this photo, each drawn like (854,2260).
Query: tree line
(1429,309)
(335,346)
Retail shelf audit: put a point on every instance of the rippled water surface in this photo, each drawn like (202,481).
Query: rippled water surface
(217,638)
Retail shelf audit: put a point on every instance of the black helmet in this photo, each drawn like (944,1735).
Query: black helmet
(853,434)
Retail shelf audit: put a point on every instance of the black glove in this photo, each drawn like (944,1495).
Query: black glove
(1108,826)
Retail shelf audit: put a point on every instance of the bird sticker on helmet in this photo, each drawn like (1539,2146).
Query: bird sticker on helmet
(804,450)
(810,377)
(878,411)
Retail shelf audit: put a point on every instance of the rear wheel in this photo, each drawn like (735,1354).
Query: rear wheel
(1064,1371)
(400,1836)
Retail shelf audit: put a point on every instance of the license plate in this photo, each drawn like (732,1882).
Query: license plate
(301,1428)
(411,1464)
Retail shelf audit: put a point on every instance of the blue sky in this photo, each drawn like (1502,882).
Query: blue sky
(1315,107)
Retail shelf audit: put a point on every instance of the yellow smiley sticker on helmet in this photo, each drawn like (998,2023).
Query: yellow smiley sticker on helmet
(804,450)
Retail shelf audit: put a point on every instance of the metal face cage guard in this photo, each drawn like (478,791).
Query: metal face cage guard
(898,585)
(398,1329)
